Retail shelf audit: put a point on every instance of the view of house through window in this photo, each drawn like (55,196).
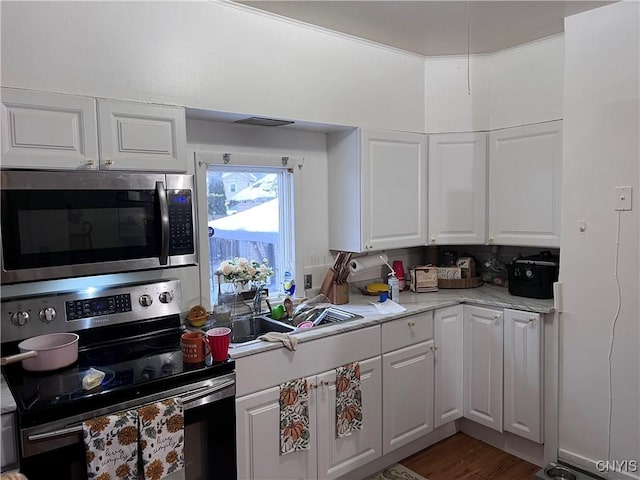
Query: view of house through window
(246,210)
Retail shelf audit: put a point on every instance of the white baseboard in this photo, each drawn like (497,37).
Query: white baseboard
(589,465)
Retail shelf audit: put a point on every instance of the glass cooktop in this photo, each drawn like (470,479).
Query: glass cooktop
(132,368)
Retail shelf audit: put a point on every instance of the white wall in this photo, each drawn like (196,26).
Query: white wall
(601,150)
(209,55)
(518,86)
(449,107)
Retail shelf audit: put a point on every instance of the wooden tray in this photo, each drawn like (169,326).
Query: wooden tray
(460,283)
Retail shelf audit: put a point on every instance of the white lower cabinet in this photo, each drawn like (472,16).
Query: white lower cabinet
(483,347)
(503,365)
(448,384)
(258,426)
(338,456)
(407,380)
(408,395)
(523,391)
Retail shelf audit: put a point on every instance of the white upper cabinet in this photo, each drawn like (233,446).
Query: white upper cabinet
(377,190)
(136,136)
(524,180)
(457,188)
(48,130)
(52,131)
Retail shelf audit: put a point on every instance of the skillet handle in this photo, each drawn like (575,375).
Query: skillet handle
(18,357)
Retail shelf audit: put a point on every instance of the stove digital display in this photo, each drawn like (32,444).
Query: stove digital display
(95,307)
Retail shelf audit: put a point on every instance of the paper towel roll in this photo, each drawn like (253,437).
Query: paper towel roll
(363,263)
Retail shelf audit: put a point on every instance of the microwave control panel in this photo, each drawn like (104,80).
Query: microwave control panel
(180,222)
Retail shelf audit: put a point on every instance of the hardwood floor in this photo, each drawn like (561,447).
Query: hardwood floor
(462,457)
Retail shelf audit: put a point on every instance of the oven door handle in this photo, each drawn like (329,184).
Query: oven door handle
(164,222)
(206,391)
(202,393)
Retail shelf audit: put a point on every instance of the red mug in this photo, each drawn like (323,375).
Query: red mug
(219,339)
(195,347)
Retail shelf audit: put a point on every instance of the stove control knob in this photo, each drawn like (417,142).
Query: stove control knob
(145,300)
(48,314)
(20,319)
(166,297)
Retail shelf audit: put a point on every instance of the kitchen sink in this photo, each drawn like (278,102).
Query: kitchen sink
(320,316)
(247,330)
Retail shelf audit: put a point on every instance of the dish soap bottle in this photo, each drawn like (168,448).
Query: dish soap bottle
(289,284)
(394,288)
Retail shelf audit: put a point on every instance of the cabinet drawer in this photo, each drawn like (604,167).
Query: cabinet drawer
(407,331)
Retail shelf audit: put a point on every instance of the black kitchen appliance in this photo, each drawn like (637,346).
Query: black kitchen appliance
(533,276)
(133,334)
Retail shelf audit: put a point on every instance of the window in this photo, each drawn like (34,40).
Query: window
(255,222)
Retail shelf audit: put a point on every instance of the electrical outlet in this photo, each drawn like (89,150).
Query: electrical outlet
(623,198)
(308,281)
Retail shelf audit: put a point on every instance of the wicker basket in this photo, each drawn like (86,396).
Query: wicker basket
(460,282)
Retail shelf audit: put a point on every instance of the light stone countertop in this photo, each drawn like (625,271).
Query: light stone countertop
(486,295)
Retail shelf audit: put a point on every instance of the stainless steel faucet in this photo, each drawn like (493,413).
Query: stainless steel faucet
(257,301)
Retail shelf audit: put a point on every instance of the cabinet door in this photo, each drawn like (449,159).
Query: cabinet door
(136,136)
(394,199)
(337,456)
(524,185)
(9,444)
(407,396)
(457,188)
(448,384)
(483,346)
(48,131)
(258,439)
(523,374)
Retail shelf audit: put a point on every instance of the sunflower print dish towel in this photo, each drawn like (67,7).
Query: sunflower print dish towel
(161,438)
(294,416)
(348,400)
(112,446)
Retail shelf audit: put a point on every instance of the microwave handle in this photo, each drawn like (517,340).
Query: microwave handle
(164,222)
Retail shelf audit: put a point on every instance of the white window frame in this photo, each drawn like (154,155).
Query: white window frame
(293,253)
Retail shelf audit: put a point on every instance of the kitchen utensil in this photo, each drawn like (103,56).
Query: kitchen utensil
(305,324)
(219,339)
(46,352)
(288,306)
(269,307)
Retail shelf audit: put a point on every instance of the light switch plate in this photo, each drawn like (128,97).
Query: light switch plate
(623,198)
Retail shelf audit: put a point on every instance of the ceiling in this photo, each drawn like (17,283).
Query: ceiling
(432,28)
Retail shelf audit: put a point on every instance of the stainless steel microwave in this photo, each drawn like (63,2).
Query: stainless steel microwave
(72,224)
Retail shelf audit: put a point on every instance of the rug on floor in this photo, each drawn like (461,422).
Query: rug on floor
(396,472)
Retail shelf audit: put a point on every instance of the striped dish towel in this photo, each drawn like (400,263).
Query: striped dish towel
(348,399)
(294,416)
(161,438)
(111,443)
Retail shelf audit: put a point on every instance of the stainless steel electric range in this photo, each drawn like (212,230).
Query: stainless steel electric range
(132,333)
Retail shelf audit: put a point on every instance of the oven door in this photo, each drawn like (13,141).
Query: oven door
(57,450)
(70,224)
